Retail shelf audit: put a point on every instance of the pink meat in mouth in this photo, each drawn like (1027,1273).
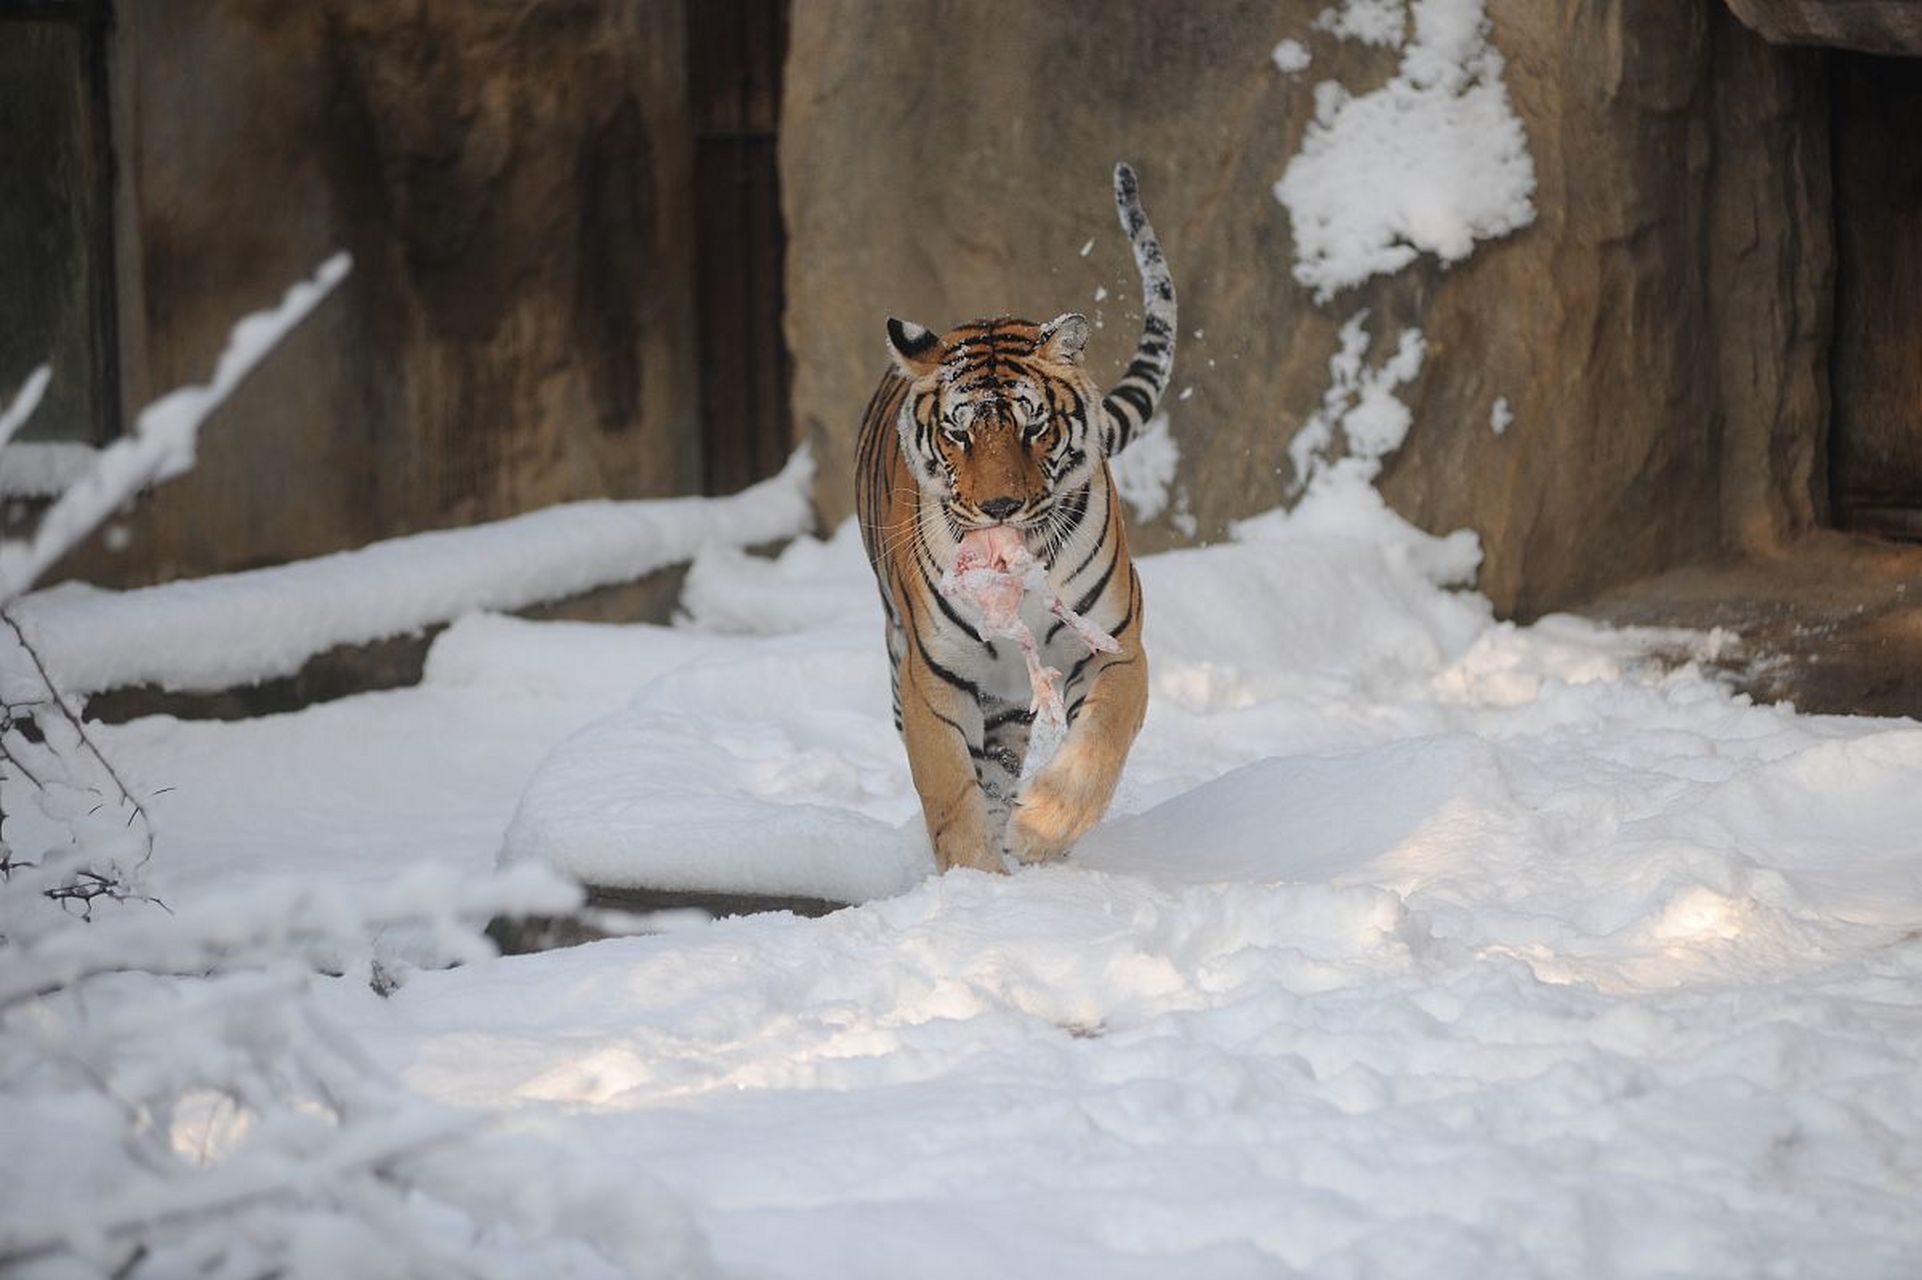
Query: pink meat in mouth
(993,571)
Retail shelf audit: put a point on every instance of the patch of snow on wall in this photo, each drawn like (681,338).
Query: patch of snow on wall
(1291,57)
(1361,402)
(1431,162)
(1379,22)
(1500,416)
(1144,472)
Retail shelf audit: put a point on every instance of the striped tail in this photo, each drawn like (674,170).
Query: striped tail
(1133,400)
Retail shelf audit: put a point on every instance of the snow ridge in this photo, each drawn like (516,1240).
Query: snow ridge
(237,628)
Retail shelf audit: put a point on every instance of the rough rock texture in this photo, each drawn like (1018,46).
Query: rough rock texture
(1868,26)
(1659,333)
(515,330)
(1835,627)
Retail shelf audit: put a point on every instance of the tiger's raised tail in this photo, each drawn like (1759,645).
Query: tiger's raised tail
(1133,400)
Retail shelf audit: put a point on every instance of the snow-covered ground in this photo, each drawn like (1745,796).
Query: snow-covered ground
(1419,944)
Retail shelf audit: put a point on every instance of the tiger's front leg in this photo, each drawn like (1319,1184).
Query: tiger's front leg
(1069,794)
(941,725)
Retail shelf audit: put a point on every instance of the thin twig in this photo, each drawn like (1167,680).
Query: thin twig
(79,728)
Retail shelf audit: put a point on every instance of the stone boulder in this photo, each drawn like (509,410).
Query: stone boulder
(1658,333)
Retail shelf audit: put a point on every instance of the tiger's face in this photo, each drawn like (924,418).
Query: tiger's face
(997,423)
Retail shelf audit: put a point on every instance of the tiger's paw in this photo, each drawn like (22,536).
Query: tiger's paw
(982,857)
(1049,817)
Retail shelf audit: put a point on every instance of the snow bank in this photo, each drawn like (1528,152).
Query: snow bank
(232,629)
(764,772)
(1431,162)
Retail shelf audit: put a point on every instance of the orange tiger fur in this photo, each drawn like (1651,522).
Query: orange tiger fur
(997,422)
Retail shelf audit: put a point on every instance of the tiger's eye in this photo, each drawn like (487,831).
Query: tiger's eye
(961,415)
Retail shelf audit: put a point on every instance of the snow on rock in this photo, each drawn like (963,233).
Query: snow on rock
(233,629)
(1361,401)
(1380,22)
(1145,471)
(1500,416)
(1291,57)
(1431,162)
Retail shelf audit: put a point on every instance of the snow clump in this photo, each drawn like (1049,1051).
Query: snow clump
(1431,162)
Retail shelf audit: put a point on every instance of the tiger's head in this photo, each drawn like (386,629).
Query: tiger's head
(1000,417)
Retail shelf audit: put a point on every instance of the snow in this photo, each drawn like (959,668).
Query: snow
(1418,942)
(1291,57)
(1145,471)
(1360,401)
(1378,22)
(232,629)
(1431,162)
(43,469)
(1500,416)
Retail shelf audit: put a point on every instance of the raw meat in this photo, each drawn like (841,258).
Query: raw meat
(993,571)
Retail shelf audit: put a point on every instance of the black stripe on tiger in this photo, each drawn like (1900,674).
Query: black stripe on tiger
(1132,402)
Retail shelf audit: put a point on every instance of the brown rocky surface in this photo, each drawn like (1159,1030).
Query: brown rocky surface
(1833,624)
(514,332)
(1868,26)
(1659,332)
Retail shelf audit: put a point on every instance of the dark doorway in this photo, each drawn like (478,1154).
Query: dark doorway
(1876,427)
(734,53)
(56,224)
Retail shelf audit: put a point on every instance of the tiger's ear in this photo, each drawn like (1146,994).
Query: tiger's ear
(915,350)
(1064,338)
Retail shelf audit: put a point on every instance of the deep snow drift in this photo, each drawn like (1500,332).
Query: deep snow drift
(1419,944)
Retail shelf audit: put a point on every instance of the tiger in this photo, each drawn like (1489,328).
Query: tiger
(996,422)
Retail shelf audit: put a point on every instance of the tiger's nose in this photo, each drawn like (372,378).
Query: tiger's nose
(1000,508)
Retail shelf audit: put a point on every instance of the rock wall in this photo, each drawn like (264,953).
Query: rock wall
(1890,27)
(1659,333)
(517,329)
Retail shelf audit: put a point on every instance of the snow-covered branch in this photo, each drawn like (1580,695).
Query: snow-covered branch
(162,443)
